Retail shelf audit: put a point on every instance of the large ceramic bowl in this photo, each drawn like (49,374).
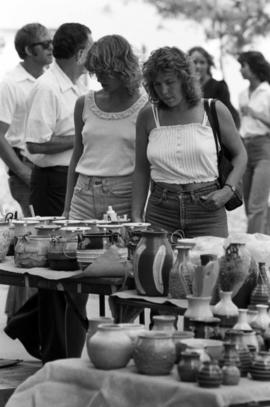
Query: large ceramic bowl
(213,347)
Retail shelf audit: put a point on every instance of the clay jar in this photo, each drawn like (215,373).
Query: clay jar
(31,251)
(153,260)
(260,367)
(110,347)
(188,367)
(164,323)
(210,375)
(154,353)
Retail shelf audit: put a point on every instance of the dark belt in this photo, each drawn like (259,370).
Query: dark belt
(54,168)
(177,188)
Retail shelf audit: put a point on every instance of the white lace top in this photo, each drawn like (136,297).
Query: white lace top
(108,139)
(183,153)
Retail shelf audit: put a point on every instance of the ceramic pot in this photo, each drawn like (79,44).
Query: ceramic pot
(226,310)
(31,251)
(260,367)
(164,323)
(210,375)
(230,375)
(154,353)
(153,260)
(93,324)
(262,320)
(230,355)
(180,280)
(236,337)
(188,367)
(260,294)
(198,308)
(110,347)
(242,322)
(180,347)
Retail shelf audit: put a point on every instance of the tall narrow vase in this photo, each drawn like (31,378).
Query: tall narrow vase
(198,308)
(226,310)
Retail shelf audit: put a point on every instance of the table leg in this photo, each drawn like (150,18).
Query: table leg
(101,305)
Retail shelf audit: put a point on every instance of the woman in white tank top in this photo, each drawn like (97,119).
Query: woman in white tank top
(175,150)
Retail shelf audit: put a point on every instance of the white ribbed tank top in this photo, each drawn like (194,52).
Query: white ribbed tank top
(182,153)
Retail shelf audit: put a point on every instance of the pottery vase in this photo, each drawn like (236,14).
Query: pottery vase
(180,347)
(230,375)
(188,367)
(242,322)
(164,323)
(260,367)
(226,310)
(230,355)
(180,280)
(262,320)
(210,374)
(153,260)
(110,347)
(236,336)
(154,353)
(260,294)
(198,308)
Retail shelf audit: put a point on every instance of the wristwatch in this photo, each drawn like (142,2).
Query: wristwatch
(233,188)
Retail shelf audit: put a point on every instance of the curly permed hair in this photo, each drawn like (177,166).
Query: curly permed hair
(172,59)
(257,64)
(113,54)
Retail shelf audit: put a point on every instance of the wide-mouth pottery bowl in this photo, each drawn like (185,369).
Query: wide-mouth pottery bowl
(213,347)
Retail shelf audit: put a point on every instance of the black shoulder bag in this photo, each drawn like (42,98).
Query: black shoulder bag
(224,161)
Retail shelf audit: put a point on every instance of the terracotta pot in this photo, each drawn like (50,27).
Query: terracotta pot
(260,367)
(153,260)
(189,366)
(154,353)
(164,323)
(210,375)
(110,347)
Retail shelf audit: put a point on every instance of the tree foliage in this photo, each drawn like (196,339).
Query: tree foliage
(235,23)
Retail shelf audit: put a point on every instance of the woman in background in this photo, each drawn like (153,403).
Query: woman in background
(254,105)
(175,150)
(103,160)
(211,88)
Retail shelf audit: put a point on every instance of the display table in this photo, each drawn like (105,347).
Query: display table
(76,383)
(126,305)
(69,281)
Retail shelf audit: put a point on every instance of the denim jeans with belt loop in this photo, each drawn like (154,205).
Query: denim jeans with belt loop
(256,182)
(181,207)
(92,196)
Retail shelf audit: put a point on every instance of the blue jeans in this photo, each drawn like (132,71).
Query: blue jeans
(256,182)
(93,195)
(185,211)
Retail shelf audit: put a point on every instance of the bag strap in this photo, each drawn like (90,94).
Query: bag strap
(209,107)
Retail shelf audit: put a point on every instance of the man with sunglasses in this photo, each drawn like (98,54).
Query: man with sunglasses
(48,326)
(34,46)
(50,124)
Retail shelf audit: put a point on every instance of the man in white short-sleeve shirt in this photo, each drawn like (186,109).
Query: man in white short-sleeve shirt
(33,44)
(50,125)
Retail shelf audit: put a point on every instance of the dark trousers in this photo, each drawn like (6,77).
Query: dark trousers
(47,325)
(48,190)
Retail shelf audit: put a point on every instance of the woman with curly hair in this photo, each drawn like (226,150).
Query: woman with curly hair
(211,88)
(103,160)
(175,150)
(254,105)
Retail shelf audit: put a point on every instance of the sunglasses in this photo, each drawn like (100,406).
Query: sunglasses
(44,44)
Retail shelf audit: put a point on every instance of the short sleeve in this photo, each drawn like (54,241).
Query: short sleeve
(7,102)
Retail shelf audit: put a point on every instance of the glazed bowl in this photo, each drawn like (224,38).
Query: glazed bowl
(213,347)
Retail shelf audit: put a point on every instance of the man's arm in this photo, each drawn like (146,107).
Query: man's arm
(57,144)
(10,158)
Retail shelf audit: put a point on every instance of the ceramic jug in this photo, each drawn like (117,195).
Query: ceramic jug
(153,260)
(260,294)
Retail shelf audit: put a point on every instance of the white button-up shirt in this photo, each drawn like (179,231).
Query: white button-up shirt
(51,112)
(14,90)
(259,100)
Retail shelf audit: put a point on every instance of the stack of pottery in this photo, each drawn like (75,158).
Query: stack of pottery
(153,260)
